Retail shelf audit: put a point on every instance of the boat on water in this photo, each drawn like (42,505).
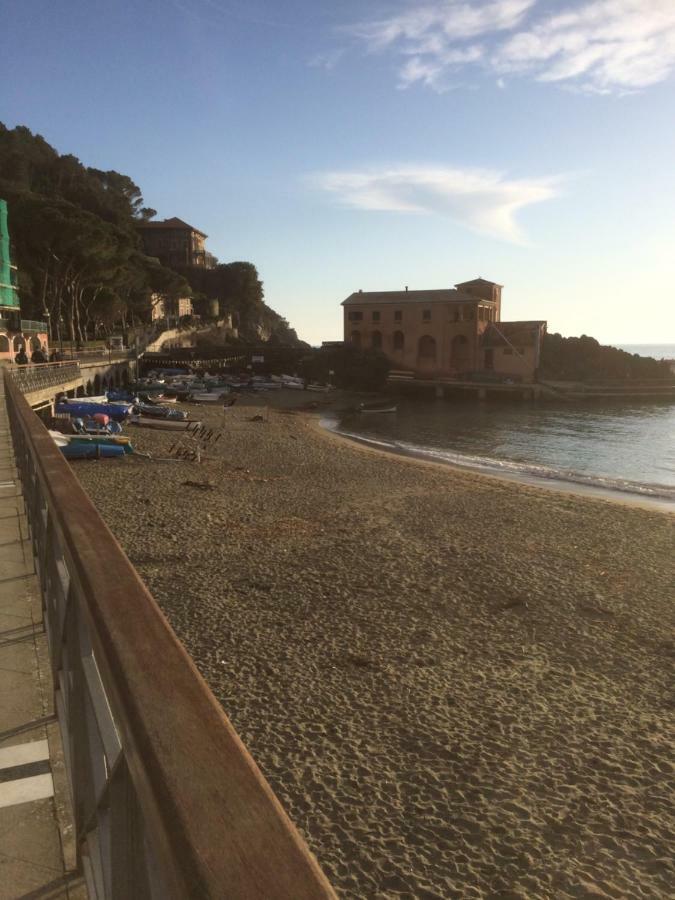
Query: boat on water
(377,408)
(164,424)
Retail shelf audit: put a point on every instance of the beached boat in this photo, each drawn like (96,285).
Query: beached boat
(83,450)
(159,412)
(84,408)
(104,440)
(214,397)
(164,424)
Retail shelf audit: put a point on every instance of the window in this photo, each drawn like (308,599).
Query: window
(376,316)
(426,315)
(399,340)
(468,313)
(356,338)
(355,316)
(376,340)
(398,315)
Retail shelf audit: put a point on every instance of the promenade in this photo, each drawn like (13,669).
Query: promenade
(34,812)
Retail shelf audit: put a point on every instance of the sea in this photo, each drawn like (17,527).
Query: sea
(606,447)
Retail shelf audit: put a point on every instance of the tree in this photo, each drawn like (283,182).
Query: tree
(353,368)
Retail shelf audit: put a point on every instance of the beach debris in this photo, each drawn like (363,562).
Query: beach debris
(200,485)
(515,603)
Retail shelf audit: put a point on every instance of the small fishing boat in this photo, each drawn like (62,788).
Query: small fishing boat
(214,397)
(82,408)
(87,450)
(159,412)
(376,408)
(164,424)
(109,440)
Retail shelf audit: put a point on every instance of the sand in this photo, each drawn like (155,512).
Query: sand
(457,686)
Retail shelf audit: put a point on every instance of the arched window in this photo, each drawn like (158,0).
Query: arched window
(356,338)
(399,340)
(35,343)
(4,343)
(460,353)
(426,353)
(376,340)
(18,342)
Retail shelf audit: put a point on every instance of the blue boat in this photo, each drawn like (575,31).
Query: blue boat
(76,450)
(82,409)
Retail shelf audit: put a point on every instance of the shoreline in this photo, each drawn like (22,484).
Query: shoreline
(455,684)
(560,485)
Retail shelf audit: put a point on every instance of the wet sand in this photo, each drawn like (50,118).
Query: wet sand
(457,686)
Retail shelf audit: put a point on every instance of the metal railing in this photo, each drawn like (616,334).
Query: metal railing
(167,801)
(42,376)
(32,325)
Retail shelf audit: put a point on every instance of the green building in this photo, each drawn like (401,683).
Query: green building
(15,332)
(9,292)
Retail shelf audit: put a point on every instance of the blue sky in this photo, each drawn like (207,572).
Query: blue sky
(374,145)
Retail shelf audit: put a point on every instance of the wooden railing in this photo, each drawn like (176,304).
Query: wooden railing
(167,801)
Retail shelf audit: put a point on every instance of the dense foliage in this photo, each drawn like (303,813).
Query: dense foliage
(80,260)
(584,359)
(352,368)
(74,241)
(238,288)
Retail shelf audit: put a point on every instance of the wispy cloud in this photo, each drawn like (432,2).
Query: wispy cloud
(482,200)
(600,46)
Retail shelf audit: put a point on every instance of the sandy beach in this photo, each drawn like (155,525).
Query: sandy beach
(458,687)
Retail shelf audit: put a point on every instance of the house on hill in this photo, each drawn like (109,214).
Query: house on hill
(444,333)
(175,244)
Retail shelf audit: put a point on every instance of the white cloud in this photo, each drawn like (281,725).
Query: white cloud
(601,46)
(482,200)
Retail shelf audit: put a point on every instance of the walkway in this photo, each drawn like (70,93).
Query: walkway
(32,846)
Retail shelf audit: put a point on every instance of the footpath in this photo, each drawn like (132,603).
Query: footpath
(36,845)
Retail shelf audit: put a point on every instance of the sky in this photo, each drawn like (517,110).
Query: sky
(372,145)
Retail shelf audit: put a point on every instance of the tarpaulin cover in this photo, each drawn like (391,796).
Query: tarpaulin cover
(9,296)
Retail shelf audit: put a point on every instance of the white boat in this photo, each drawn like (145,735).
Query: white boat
(323,388)
(376,409)
(164,424)
(215,397)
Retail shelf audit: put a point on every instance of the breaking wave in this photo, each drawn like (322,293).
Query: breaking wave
(529,472)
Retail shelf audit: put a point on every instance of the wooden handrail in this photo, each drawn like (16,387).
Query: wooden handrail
(214,823)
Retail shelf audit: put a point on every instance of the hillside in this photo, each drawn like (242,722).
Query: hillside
(585,359)
(81,264)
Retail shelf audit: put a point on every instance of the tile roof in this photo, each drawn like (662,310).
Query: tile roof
(435,296)
(174,222)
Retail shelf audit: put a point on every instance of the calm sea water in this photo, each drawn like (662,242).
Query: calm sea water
(607,445)
(657,351)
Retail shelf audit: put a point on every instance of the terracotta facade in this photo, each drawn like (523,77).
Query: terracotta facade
(444,333)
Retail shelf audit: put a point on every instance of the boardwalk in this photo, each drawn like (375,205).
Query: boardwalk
(31,859)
